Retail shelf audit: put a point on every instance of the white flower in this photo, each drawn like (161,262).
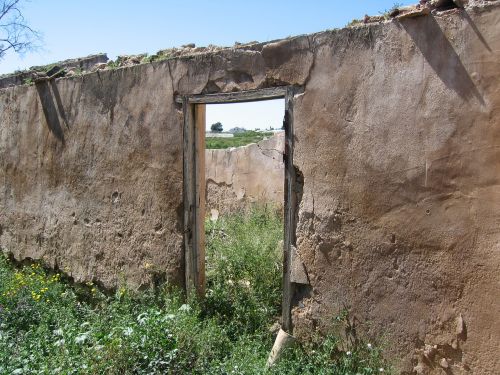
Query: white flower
(128,331)
(369,346)
(348,353)
(81,338)
(58,332)
(142,318)
(168,317)
(381,369)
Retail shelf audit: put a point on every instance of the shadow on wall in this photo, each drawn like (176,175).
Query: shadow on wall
(441,56)
(52,108)
(476,30)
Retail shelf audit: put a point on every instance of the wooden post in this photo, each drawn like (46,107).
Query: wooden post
(188,191)
(290,207)
(194,196)
(199,232)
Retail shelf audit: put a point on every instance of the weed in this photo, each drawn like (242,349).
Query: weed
(113,65)
(355,22)
(44,68)
(78,72)
(48,325)
(148,59)
(387,12)
(244,270)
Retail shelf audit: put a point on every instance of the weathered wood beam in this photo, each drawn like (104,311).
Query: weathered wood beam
(289,214)
(235,97)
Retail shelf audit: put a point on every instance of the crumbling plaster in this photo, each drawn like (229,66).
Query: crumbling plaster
(399,152)
(92,176)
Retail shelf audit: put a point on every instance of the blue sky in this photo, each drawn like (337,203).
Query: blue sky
(75,28)
(253,115)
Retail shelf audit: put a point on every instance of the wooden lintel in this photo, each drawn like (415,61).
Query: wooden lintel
(235,97)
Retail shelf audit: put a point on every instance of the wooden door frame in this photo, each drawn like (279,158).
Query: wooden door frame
(194,184)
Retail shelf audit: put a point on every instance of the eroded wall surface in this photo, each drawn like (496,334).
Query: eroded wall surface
(237,178)
(91,176)
(398,135)
(396,146)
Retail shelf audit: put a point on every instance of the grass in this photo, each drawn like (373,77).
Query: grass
(239,139)
(386,13)
(51,326)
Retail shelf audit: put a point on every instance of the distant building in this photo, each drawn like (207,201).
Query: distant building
(218,135)
(237,130)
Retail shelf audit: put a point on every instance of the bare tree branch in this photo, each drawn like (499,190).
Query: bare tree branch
(15,33)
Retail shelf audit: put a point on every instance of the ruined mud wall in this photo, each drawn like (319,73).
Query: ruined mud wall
(91,176)
(397,139)
(396,149)
(240,177)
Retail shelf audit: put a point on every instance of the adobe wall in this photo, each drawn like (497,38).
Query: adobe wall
(396,141)
(398,135)
(91,176)
(237,178)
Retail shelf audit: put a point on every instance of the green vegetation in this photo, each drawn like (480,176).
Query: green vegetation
(355,22)
(217,127)
(49,326)
(112,64)
(239,139)
(28,81)
(79,72)
(388,12)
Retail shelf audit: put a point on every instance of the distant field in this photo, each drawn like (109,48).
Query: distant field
(239,139)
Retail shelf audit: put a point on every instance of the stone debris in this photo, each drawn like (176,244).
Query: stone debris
(100,66)
(416,11)
(94,63)
(68,67)
(274,329)
(461,329)
(298,273)
(444,363)
(423,8)
(283,342)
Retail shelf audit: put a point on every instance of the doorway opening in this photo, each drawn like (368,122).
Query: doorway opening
(227,188)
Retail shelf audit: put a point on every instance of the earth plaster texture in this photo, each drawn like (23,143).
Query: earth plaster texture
(397,153)
(242,177)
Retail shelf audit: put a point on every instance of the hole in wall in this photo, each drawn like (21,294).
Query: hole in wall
(115,197)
